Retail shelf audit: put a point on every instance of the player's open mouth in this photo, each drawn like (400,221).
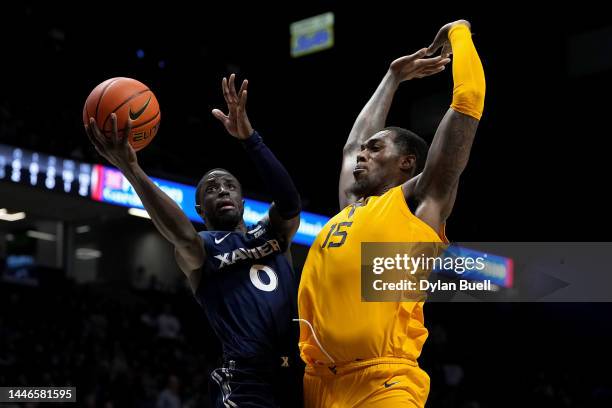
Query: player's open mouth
(358,170)
(225,205)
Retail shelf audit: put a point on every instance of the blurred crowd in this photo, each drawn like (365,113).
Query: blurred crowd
(118,348)
(127,347)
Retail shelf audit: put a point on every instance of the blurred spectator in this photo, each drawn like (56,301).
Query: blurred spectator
(140,278)
(168,325)
(94,338)
(169,397)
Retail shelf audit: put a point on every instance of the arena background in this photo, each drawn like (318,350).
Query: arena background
(538,172)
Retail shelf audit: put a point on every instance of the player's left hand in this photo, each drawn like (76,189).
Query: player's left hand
(236,122)
(416,66)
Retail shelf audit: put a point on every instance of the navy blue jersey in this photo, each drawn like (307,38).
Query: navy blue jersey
(248,290)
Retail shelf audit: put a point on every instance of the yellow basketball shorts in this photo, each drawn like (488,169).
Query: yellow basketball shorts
(375,383)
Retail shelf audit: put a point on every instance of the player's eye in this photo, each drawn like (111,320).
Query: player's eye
(211,189)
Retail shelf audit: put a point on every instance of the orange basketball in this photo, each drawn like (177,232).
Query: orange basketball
(128,98)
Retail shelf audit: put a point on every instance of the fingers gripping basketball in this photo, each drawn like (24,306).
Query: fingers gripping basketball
(128,99)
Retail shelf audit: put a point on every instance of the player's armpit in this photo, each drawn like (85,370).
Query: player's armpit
(427,209)
(433,211)
(190,258)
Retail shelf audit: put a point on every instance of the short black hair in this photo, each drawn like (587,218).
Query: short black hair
(203,179)
(408,142)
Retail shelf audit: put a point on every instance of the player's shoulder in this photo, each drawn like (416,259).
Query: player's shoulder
(262,228)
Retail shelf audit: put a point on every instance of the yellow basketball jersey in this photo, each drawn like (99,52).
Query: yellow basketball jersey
(329,296)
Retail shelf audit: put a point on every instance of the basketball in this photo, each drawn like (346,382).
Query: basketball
(127,98)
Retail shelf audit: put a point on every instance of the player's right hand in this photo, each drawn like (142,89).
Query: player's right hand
(115,148)
(417,66)
(441,40)
(236,121)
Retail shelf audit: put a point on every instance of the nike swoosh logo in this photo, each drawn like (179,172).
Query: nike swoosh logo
(218,241)
(136,115)
(254,230)
(387,385)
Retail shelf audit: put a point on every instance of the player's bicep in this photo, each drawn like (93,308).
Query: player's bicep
(429,209)
(190,258)
(447,156)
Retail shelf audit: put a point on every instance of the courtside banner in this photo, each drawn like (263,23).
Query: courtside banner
(486,272)
(110,186)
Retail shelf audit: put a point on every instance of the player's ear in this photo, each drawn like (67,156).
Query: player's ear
(407,162)
(198,209)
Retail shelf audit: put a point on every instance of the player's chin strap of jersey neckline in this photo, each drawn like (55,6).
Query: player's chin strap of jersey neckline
(316,339)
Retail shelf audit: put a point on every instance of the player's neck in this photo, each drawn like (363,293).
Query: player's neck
(240,227)
(382,189)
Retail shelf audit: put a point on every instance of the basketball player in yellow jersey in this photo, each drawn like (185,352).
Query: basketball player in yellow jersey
(392,189)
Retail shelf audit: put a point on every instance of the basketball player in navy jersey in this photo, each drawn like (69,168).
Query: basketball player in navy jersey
(240,275)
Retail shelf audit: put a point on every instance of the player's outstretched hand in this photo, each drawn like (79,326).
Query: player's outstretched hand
(236,121)
(417,66)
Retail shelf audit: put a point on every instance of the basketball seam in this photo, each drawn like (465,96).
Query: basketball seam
(123,103)
(100,98)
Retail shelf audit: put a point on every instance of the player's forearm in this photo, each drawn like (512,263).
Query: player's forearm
(167,216)
(468,74)
(373,116)
(276,178)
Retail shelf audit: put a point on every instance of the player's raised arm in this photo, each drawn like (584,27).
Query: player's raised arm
(284,213)
(374,114)
(167,216)
(448,155)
